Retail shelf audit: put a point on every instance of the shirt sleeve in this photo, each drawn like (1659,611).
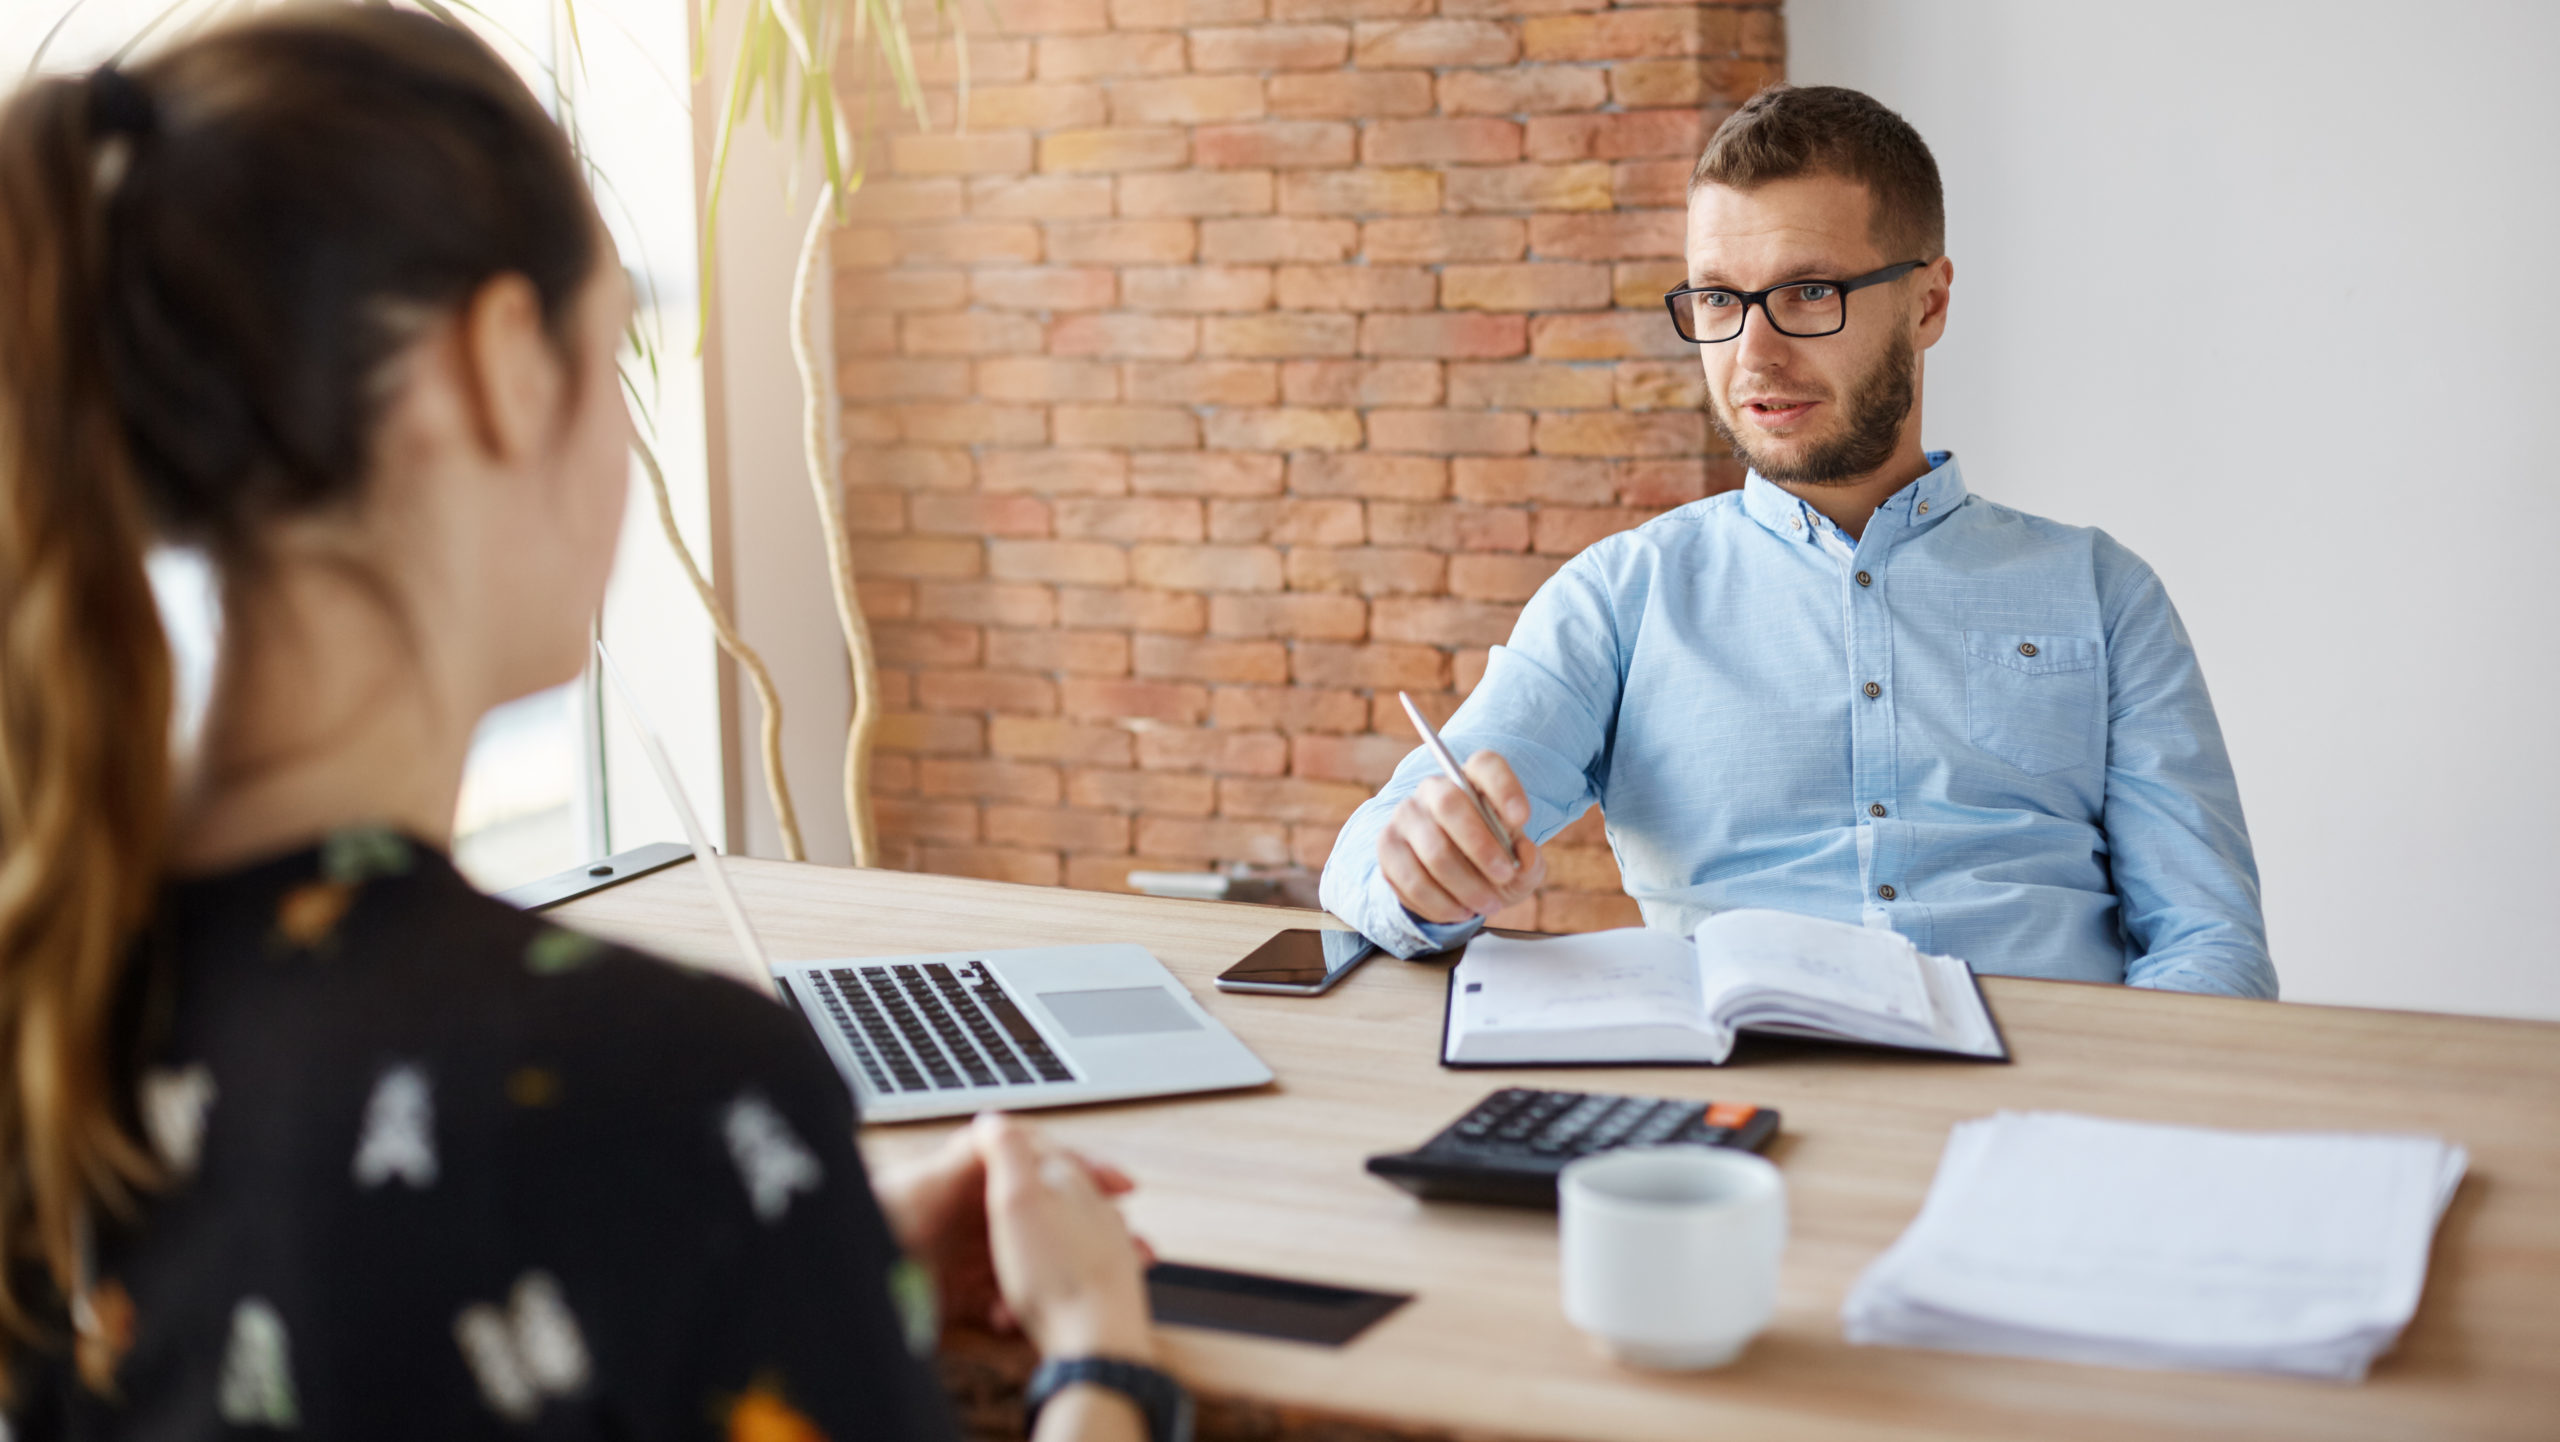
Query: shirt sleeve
(1547,705)
(2184,873)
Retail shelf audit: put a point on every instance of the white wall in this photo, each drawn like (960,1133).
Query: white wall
(2267,292)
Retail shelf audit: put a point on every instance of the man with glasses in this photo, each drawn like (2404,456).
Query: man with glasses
(1851,689)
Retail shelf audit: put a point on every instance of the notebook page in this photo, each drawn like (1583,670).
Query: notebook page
(1627,977)
(1853,968)
(1963,1019)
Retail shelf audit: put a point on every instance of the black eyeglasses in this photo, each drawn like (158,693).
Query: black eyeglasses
(1804,309)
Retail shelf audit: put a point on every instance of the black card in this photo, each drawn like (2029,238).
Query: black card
(1262,1306)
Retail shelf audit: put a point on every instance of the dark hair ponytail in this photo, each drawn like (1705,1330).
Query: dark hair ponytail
(84,692)
(207,268)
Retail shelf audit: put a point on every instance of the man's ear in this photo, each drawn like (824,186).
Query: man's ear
(1940,279)
(511,372)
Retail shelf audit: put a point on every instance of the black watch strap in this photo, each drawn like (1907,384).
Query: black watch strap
(1166,1406)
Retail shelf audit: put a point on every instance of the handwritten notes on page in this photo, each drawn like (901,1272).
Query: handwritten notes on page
(1631,977)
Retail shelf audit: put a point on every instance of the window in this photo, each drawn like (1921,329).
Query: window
(548,784)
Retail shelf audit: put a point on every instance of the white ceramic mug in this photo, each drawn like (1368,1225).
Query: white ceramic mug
(1671,1253)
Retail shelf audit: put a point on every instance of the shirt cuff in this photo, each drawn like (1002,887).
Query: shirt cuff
(1385,921)
(1438,936)
(2245,982)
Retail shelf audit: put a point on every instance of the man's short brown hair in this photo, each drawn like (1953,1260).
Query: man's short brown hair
(1787,131)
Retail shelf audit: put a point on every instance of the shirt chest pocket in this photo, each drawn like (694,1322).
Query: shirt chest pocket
(2036,701)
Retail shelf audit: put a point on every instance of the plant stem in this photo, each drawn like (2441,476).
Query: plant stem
(816,432)
(776,785)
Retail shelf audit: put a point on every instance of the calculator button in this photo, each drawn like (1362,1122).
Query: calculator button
(1658,1126)
(1730,1114)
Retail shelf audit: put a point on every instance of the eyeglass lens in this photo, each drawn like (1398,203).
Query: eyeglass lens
(1811,309)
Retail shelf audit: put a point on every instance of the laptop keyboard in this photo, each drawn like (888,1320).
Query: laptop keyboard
(929,1026)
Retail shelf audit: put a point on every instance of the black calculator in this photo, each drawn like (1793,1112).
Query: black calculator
(1509,1147)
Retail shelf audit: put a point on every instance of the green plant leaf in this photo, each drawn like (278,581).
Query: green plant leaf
(785,71)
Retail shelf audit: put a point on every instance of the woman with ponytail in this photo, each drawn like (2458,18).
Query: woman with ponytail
(298,1133)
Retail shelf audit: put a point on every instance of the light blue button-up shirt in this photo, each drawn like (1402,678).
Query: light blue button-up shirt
(1982,729)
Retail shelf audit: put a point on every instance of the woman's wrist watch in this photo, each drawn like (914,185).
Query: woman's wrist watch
(1159,1398)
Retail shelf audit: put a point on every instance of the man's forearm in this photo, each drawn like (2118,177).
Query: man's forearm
(2178,847)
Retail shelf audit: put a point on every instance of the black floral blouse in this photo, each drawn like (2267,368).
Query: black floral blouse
(441,1169)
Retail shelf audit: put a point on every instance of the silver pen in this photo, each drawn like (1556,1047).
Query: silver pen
(1457,776)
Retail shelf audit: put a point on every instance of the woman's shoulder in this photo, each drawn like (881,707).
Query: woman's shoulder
(373,951)
(655,1026)
(363,1022)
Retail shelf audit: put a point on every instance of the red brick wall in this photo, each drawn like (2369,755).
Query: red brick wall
(1244,362)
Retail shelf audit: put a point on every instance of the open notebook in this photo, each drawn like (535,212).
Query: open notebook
(1636,995)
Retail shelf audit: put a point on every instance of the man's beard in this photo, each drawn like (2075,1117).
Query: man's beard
(1876,407)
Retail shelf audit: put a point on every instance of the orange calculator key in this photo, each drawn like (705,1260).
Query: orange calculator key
(1730,1114)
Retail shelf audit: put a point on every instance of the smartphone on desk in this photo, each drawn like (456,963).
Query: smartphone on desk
(1300,962)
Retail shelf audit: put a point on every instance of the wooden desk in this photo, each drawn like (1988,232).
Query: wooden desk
(1271,1180)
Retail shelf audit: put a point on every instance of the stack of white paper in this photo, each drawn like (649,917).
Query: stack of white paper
(2087,1240)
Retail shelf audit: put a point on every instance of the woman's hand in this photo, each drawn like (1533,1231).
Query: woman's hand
(1064,1261)
(937,1211)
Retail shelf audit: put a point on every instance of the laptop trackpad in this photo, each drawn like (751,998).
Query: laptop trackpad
(1118,1011)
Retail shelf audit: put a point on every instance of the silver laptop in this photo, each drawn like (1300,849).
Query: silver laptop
(967,1031)
(970,1031)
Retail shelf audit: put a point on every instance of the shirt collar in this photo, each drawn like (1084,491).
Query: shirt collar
(1914,508)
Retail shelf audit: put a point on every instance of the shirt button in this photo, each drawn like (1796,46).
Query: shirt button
(1885,891)
(1865,580)
(1872,689)
(1795,523)
(1924,508)
(2026,648)
(1875,808)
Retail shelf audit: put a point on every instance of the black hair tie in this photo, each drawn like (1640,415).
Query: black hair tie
(118,106)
